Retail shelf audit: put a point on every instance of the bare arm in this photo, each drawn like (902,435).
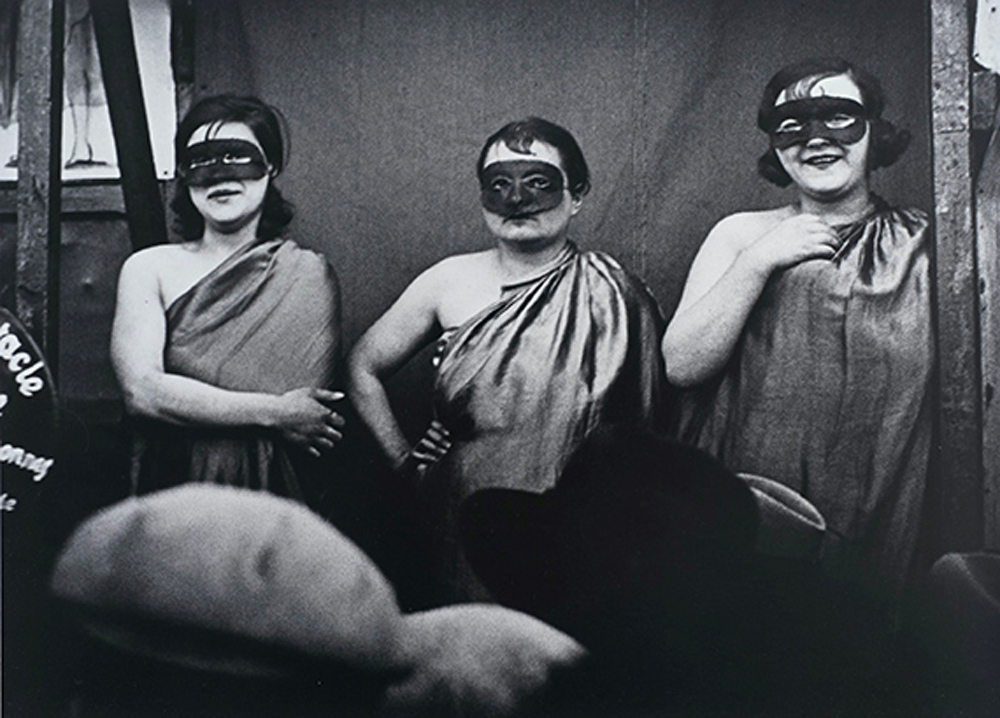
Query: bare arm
(138,337)
(405,328)
(726,280)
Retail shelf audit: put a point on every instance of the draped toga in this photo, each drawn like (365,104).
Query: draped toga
(829,392)
(265,320)
(523,382)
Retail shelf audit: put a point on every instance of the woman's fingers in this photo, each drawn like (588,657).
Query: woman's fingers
(335,420)
(327,396)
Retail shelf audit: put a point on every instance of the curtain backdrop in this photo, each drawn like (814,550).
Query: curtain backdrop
(389,101)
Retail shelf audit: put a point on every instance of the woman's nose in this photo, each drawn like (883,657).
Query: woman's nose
(817,141)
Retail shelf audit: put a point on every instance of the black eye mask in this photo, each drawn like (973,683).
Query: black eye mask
(207,163)
(834,119)
(521,187)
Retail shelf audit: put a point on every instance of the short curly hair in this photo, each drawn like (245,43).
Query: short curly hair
(887,142)
(266,123)
(520,134)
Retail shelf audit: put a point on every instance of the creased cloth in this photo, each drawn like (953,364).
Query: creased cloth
(828,391)
(267,320)
(522,383)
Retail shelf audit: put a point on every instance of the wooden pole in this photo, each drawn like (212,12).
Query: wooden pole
(988,249)
(959,483)
(39,61)
(39,169)
(120,68)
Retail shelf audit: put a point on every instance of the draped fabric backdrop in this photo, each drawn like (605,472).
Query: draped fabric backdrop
(388,103)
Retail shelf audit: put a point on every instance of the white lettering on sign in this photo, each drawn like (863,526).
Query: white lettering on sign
(20,363)
(38,465)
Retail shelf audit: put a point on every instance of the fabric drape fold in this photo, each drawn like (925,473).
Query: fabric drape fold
(521,384)
(829,392)
(266,320)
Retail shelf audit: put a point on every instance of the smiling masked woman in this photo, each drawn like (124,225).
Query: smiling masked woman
(225,344)
(804,332)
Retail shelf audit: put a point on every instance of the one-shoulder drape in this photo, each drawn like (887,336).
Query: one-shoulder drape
(266,320)
(521,384)
(829,392)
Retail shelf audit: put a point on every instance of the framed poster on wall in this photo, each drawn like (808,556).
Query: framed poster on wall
(88,146)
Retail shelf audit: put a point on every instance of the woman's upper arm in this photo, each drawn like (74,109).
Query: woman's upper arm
(138,333)
(403,330)
(716,254)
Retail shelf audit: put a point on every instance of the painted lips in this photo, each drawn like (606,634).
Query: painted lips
(222,193)
(821,160)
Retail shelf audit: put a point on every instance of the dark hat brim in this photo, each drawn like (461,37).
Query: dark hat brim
(507,536)
(639,532)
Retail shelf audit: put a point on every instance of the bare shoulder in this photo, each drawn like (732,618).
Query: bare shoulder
(458,265)
(158,260)
(459,286)
(723,244)
(150,257)
(741,228)
(459,270)
(167,269)
(145,267)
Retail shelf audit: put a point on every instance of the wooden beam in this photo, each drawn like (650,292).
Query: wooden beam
(76,199)
(988,249)
(120,69)
(39,157)
(958,524)
(984,99)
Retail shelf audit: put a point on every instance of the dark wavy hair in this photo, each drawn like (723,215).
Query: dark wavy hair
(267,125)
(887,143)
(519,135)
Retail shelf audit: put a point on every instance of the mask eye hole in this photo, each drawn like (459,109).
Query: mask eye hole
(539,182)
(198,164)
(231,159)
(789,125)
(840,121)
(499,184)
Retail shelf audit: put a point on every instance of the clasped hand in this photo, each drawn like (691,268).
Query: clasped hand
(794,240)
(306,417)
(433,445)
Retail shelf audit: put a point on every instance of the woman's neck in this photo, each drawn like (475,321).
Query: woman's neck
(223,240)
(518,261)
(842,210)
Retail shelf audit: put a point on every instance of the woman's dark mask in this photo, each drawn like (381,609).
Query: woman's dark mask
(834,119)
(214,161)
(514,188)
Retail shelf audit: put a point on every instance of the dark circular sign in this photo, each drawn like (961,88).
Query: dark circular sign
(28,417)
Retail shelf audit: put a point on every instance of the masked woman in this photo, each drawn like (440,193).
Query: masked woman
(805,331)
(225,343)
(539,343)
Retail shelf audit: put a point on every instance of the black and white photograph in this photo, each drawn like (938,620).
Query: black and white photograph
(479,359)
